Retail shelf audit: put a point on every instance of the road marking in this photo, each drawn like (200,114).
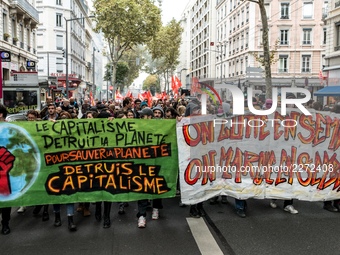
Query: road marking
(203,237)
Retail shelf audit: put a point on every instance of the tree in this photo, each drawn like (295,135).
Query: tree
(127,68)
(266,51)
(134,59)
(164,48)
(151,83)
(121,74)
(125,24)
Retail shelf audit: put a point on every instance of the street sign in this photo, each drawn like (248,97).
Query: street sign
(23,79)
(5,56)
(30,65)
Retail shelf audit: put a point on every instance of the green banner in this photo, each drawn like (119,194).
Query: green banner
(88,160)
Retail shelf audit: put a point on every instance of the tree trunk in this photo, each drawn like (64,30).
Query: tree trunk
(266,51)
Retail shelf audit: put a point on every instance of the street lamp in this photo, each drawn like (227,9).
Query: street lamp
(94,71)
(221,55)
(66,48)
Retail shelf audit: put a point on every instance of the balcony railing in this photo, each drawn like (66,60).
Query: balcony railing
(25,5)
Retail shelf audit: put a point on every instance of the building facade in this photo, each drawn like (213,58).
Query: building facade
(223,48)
(18,52)
(202,29)
(65,48)
(19,22)
(332,55)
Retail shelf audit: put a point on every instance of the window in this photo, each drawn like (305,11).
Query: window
(4,23)
(14,28)
(337,35)
(284,10)
(60,65)
(34,43)
(284,37)
(59,43)
(28,39)
(305,63)
(59,19)
(324,41)
(242,16)
(21,33)
(283,63)
(58,2)
(267,8)
(337,4)
(307,36)
(307,10)
(247,13)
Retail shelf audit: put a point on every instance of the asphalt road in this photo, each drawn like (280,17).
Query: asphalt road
(263,231)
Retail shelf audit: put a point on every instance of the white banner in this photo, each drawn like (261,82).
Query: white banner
(250,156)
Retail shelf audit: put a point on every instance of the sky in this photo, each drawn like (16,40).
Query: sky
(170,9)
(173,9)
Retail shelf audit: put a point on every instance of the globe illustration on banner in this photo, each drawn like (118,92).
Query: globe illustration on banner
(19,161)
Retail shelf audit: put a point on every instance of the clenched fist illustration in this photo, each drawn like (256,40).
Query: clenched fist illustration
(6,164)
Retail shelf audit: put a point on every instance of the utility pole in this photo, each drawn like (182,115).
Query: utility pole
(66,50)
(93,72)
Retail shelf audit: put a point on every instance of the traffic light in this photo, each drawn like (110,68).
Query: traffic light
(245,92)
(63,50)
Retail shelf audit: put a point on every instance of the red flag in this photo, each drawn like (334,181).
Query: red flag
(164,95)
(175,84)
(91,98)
(118,96)
(129,94)
(140,97)
(178,83)
(149,97)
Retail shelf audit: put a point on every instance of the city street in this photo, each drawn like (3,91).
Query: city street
(264,231)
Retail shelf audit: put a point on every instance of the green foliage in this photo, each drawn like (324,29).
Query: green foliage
(273,55)
(151,83)
(127,68)
(165,45)
(125,24)
(122,71)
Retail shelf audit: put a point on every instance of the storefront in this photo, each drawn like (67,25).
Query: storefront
(21,92)
(59,90)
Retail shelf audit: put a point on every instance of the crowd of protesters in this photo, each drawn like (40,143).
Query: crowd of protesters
(140,109)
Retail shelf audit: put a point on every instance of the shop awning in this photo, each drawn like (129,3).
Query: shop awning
(328,91)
